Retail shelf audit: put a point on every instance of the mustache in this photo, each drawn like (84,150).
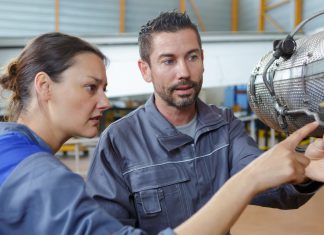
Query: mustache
(183,83)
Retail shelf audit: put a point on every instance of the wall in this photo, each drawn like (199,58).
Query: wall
(229,60)
(284,15)
(100,17)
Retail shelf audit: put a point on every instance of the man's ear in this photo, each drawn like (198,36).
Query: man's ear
(42,85)
(145,69)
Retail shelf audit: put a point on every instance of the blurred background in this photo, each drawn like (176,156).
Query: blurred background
(236,34)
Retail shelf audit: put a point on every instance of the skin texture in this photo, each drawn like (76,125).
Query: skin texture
(71,107)
(315,169)
(176,72)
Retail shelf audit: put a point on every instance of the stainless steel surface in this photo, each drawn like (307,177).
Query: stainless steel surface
(298,84)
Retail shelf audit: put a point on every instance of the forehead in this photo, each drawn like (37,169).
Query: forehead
(174,42)
(85,65)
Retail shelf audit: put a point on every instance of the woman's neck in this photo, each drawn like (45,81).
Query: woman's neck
(44,131)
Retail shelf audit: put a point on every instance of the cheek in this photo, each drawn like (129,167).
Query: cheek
(75,107)
(197,71)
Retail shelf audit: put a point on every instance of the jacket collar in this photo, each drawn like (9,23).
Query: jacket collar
(169,137)
(6,127)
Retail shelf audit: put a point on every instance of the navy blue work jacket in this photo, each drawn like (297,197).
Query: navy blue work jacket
(149,175)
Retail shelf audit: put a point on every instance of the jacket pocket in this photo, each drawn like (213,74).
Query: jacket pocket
(159,196)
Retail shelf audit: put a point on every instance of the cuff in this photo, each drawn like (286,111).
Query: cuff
(308,187)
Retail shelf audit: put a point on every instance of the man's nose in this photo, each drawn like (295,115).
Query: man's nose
(183,69)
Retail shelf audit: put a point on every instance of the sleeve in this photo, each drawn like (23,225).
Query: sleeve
(74,211)
(105,183)
(243,151)
(50,199)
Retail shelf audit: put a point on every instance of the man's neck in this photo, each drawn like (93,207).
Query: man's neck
(177,116)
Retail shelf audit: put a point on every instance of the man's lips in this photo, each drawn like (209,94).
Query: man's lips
(183,87)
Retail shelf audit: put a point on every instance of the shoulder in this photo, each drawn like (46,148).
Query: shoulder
(39,165)
(126,121)
(215,112)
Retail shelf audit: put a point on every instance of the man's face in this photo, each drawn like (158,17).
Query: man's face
(176,69)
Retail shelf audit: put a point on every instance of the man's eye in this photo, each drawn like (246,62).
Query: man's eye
(193,57)
(167,62)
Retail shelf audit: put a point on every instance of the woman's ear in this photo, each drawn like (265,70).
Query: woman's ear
(42,85)
(145,69)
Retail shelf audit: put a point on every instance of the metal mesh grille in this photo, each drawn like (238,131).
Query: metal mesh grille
(291,93)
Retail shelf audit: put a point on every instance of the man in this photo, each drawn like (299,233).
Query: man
(158,165)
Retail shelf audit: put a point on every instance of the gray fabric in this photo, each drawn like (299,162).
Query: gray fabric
(189,128)
(148,174)
(42,196)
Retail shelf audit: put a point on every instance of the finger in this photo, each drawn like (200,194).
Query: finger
(295,138)
(303,160)
(322,142)
(318,143)
(299,179)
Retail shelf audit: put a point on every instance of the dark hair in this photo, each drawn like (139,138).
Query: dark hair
(51,53)
(172,21)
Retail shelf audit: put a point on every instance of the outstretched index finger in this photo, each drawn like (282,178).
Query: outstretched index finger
(295,138)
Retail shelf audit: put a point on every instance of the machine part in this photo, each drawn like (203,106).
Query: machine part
(287,92)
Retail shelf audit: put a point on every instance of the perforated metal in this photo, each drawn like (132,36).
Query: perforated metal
(298,84)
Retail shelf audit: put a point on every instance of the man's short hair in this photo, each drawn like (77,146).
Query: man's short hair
(172,21)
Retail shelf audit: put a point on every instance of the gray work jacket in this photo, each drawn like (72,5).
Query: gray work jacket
(148,174)
(41,196)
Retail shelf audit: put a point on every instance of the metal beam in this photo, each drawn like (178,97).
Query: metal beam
(234,18)
(274,23)
(182,6)
(278,4)
(122,9)
(298,11)
(197,13)
(263,6)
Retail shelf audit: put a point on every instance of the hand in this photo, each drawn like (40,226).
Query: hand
(315,152)
(282,164)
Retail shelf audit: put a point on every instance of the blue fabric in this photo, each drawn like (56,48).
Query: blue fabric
(14,148)
(42,196)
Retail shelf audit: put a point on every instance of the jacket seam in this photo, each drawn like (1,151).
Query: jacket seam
(175,162)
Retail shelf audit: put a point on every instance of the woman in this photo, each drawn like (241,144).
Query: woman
(58,86)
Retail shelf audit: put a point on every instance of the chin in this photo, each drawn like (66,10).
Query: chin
(89,134)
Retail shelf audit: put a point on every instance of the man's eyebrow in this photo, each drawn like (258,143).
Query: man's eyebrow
(196,50)
(166,55)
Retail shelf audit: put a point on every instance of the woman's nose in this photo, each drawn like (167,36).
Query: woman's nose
(103,102)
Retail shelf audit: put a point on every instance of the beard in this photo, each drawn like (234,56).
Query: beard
(180,101)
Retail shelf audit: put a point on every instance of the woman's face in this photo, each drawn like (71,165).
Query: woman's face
(78,100)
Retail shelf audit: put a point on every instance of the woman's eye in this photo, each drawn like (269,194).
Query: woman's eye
(91,87)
